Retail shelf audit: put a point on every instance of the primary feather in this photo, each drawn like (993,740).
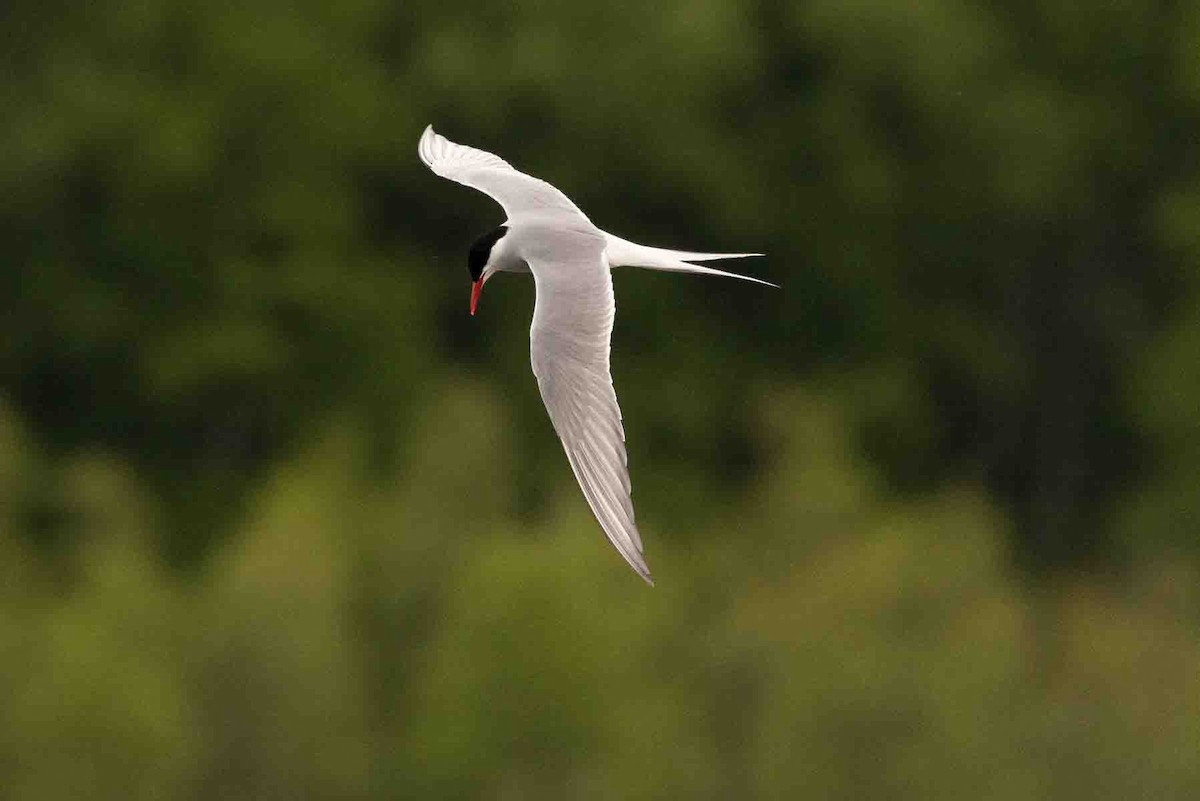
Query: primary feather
(521,196)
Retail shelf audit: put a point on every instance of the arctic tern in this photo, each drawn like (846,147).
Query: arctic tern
(570,258)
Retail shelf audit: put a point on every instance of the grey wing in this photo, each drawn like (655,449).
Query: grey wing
(569,350)
(520,195)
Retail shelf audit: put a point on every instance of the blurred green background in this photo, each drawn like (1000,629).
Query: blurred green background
(279,520)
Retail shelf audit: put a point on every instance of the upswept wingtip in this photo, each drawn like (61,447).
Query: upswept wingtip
(425,146)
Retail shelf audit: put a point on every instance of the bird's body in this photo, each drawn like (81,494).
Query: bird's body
(571,261)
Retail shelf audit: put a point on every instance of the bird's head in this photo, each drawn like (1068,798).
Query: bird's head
(484,260)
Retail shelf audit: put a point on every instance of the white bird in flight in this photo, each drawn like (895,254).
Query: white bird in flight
(570,258)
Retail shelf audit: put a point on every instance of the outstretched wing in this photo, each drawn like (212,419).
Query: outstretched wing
(569,348)
(519,194)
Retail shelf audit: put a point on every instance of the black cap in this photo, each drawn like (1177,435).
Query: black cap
(477,258)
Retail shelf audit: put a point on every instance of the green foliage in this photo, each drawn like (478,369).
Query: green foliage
(346,647)
(278,519)
(220,231)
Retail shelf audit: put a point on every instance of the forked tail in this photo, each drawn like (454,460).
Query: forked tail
(623,253)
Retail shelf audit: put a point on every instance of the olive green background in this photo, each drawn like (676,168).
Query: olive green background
(278,519)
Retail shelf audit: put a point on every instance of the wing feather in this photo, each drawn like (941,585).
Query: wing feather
(569,351)
(521,196)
